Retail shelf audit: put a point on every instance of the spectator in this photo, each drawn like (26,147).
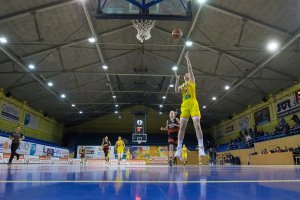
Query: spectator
(279,150)
(283,126)
(260,133)
(251,133)
(269,152)
(297,150)
(247,140)
(264,151)
(241,136)
(255,131)
(245,133)
(222,159)
(296,119)
(229,158)
(231,144)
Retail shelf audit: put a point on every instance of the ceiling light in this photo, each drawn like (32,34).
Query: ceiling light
(92,40)
(120,117)
(116,112)
(3,40)
(105,67)
(171,85)
(164,97)
(114,97)
(80,112)
(174,68)
(227,87)
(63,96)
(31,66)
(160,106)
(204,107)
(201,1)
(50,84)
(160,113)
(214,98)
(117,105)
(73,105)
(272,46)
(188,43)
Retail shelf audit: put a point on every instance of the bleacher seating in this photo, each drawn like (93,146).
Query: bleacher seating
(33,140)
(270,136)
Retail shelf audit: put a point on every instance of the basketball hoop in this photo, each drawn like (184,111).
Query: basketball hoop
(143,28)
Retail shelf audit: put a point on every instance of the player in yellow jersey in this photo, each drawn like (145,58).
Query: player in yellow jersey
(189,108)
(120,145)
(128,155)
(184,154)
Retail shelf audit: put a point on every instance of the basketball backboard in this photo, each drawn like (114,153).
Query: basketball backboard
(139,138)
(179,10)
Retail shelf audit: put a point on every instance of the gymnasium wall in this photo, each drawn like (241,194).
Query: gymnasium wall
(34,124)
(111,124)
(73,140)
(194,159)
(290,142)
(229,129)
(243,154)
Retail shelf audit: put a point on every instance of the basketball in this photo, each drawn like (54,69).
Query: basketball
(177,33)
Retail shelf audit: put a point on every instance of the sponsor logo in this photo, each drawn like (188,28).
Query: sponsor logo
(55,160)
(57,152)
(50,152)
(4,146)
(89,151)
(74,161)
(10,112)
(64,160)
(32,159)
(45,159)
(32,149)
(284,105)
(288,106)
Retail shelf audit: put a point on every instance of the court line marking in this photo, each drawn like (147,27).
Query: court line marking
(151,182)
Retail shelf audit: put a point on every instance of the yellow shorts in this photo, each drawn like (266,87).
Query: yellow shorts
(120,151)
(190,108)
(184,156)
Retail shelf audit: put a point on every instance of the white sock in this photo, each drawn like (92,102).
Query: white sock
(200,142)
(180,143)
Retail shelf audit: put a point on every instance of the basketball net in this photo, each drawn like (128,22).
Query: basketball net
(139,140)
(143,28)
